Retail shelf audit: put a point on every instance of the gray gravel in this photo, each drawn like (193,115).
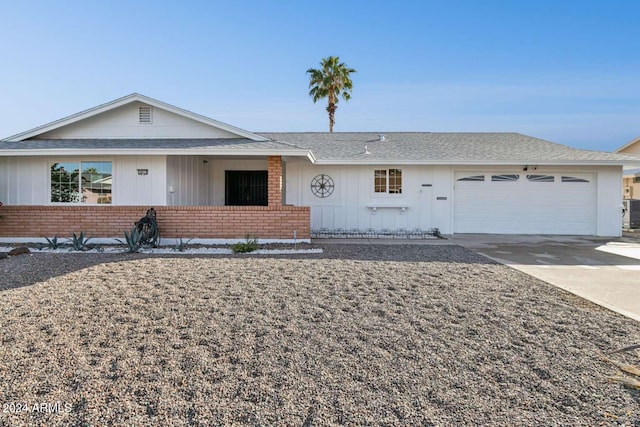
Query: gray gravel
(358,335)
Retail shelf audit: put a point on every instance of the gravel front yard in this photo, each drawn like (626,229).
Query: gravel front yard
(358,335)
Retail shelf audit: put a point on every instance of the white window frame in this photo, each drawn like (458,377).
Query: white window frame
(80,161)
(386,193)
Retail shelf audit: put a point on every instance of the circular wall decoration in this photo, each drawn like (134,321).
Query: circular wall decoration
(322,186)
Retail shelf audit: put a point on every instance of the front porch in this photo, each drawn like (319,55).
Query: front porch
(194,207)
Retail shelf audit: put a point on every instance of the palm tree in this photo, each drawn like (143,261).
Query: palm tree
(330,81)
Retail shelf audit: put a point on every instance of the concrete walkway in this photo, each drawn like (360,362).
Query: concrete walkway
(605,271)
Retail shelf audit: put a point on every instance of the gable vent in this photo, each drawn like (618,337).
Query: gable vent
(144,114)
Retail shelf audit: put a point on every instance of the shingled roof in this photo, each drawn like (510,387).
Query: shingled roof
(343,148)
(441,148)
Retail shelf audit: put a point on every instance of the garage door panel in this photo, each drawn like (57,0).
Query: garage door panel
(525,206)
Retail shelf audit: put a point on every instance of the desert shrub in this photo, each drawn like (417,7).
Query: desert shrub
(249,245)
(180,245)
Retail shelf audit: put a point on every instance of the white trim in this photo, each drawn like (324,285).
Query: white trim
(456,163)
(154,151)
(127,100)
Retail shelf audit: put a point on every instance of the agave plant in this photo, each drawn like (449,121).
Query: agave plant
(79,242)
(52,243)
(133,240)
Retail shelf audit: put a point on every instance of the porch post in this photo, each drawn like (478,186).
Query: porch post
(274,181)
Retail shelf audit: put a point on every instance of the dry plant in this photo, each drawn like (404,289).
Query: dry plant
(633,380)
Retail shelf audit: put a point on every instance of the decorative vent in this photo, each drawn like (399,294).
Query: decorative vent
(144,114)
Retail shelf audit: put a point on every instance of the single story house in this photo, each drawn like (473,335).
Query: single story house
(99,170)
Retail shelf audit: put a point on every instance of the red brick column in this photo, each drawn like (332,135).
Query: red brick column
(274,181)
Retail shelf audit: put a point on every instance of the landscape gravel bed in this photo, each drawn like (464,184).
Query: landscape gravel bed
(356,335)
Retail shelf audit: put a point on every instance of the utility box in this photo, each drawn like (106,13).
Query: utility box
(631,215)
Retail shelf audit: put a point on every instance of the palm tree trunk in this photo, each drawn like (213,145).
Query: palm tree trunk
(331,109)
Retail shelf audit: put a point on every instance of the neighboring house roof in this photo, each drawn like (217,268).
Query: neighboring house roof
(230,146)
(443,148)
(627,145)
(134,97)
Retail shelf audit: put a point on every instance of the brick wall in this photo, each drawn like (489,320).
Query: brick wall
(206,222)
(274,180)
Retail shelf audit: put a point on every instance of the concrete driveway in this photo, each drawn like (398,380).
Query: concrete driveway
(605,271)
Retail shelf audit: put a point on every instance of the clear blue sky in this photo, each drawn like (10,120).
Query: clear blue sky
(566,71)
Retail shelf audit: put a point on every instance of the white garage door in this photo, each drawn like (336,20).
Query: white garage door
(525,203)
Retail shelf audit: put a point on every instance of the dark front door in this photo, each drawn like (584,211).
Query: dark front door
(246,188)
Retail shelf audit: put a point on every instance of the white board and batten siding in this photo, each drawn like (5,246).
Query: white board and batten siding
(27,180)
(354,204)
(586,202)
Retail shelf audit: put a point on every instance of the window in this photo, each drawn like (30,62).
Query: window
(476,178)
(387,181)
(81,182)
(636,179)
(380,181)
(573,179)
(504,178)
(541,178)
(144,114)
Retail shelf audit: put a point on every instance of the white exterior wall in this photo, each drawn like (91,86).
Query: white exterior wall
(129,188)
(26,180)
(188,181)
(609,215)
(427,207)
(123,122)
(352,202)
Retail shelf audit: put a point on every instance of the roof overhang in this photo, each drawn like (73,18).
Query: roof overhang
(53,152)
(624,164)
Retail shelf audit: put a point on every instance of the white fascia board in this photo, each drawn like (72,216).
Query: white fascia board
(148,152)
(624,163)
(127,100)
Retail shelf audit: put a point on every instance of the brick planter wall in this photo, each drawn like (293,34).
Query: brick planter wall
(206,222)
